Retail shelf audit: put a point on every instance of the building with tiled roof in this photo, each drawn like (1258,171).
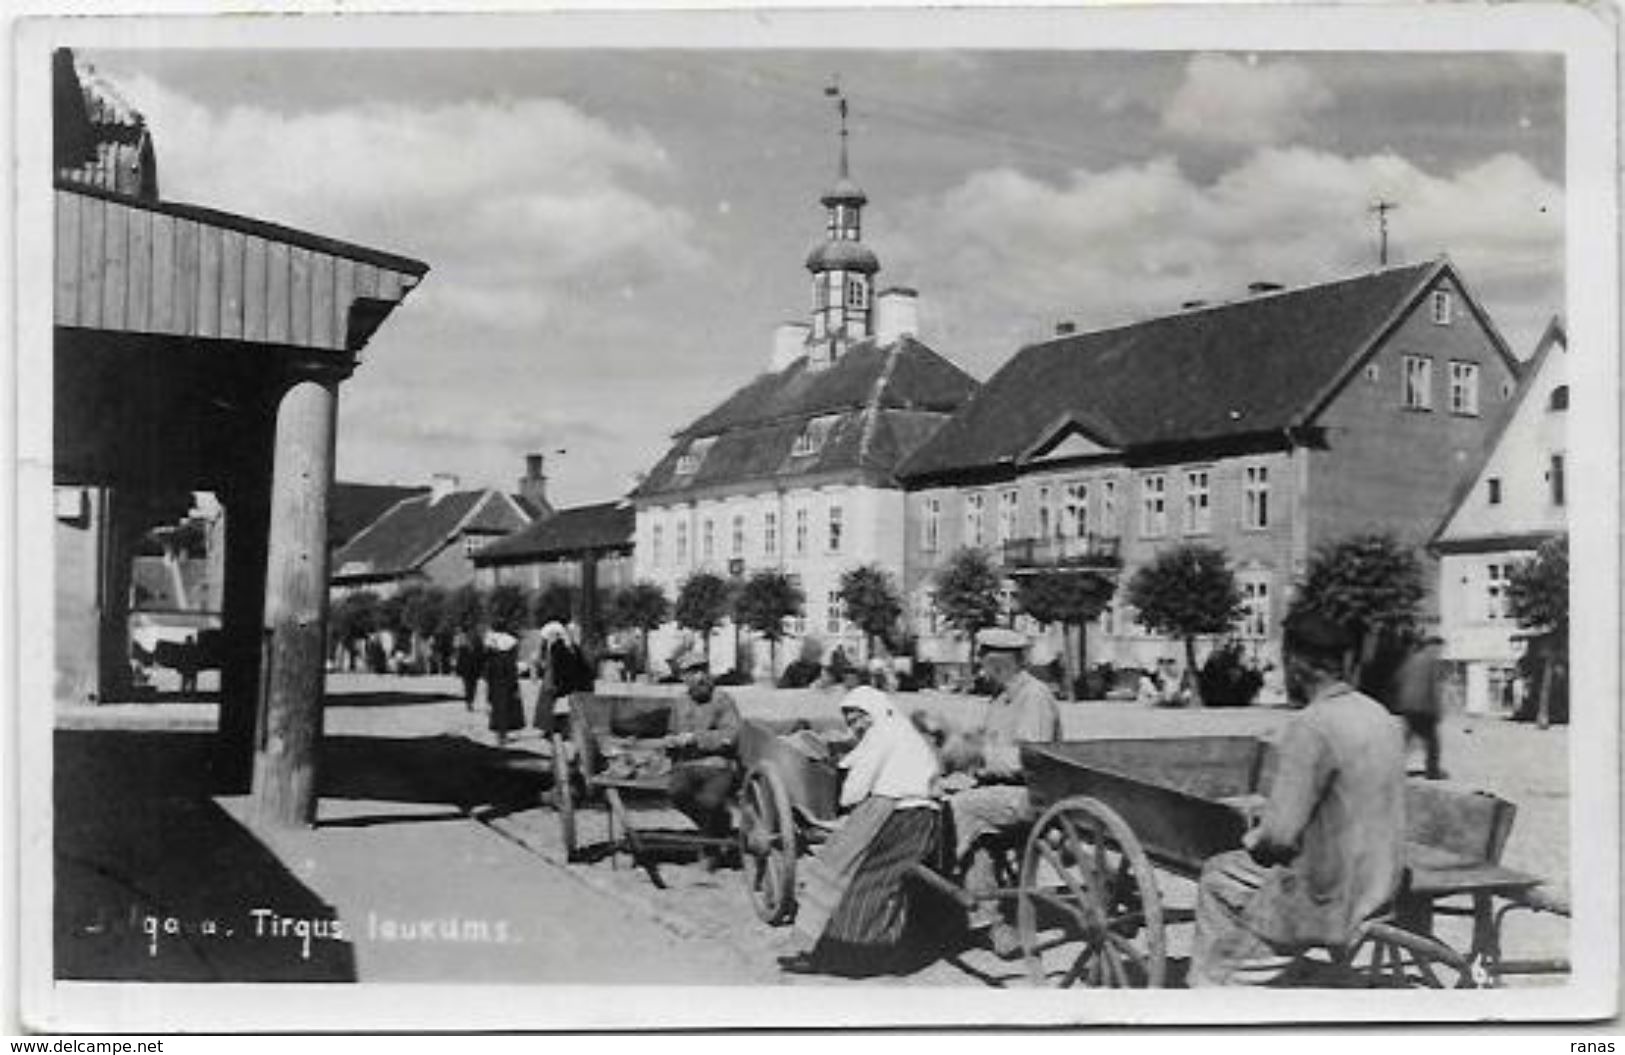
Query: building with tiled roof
(796,470)
(1513,499)
(427,538)
(1264,426)
(352,507)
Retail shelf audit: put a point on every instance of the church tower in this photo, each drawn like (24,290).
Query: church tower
(843,268)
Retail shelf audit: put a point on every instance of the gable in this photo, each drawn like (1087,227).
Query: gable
(1067,439)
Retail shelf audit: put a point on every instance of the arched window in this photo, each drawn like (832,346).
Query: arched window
(1559,399)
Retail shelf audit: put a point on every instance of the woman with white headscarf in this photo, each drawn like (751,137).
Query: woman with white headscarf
(852,908)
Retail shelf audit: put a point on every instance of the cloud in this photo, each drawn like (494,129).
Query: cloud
(1224,100)
(1106,247)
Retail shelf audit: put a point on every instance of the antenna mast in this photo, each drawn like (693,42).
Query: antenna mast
(1382,208)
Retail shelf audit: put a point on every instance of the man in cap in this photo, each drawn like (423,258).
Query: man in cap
(996,803)
(1327,852)
(702,739)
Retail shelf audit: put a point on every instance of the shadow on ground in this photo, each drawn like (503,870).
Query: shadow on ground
(154,882)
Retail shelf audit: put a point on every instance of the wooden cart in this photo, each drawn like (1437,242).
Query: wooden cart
(781,789)
(1110,812)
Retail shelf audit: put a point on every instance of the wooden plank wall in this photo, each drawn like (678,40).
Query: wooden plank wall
(140,271)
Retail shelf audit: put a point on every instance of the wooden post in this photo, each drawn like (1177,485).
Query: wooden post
(242,632)
(289,738)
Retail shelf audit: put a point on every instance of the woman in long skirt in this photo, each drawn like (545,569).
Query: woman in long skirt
(502,683)
(852,906)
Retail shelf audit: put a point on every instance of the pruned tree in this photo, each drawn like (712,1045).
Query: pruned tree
(1070,600)
(642,606)
(1186,592)
(422,606)
(353,617)
(764,602)
(463,611)
(702,604)
(968,591)
(872,603)
(1369,584)
(507,605)
(554,603)
(1538,588)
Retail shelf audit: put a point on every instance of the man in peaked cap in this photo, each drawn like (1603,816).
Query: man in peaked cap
(1327,852)
(702,739)
(995,803)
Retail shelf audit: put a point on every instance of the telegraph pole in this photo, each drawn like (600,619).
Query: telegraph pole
(1382,208)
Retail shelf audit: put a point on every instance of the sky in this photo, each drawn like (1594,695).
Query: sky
(613,234)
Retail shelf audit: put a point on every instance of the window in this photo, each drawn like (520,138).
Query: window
(1372,372)
(1506,391)
(1441,307)
(930,618)
(855,293)
(1255,601)
(657,545)
(812,438)
(1559,399)
(770,534)
(835,525)
(1495,591)
(1009,507)
(689,462)
(1256,497)
(801,532)
(1418,382)
(472,544)
(708,539)
(682,542)
(975,505)
(931,528)
(1108,507)
(739,535)
(820,294)
(1153,505)
(1494,486)
(1045,517)
(1075,511)
(1464,388)
(1554,476)
(834,613)
(1198,511)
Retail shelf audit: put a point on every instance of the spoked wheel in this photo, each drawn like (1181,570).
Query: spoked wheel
(767,846)
(1089,910)
(564,797)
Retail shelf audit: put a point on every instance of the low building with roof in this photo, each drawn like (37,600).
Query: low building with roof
(1510,502)
(585,549)
(796,469)
(1265,426)
(428,538)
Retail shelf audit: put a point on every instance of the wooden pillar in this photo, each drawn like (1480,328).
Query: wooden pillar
(247,523)
(289,738)
(121,527)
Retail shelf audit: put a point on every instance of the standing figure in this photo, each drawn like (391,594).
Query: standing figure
(702,740)
(1403,674)
(563,671)
(852,900)
(502,682)
(1328,851)
(995,804)
(468,658)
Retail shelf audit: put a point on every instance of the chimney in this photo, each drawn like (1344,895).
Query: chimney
(789,344)
(1065,329)
(897,314)
(1255,288)
(533,485)
(441,485)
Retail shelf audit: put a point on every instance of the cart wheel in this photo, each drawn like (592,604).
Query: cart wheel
(1089,910)
(564,797)
(767,846)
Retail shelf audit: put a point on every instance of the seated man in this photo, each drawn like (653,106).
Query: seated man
(995,802)
(1328,851)
(702,740)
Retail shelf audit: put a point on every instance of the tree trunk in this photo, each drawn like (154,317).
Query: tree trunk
(643,660)
(1069,670)
(1190,672)
(1543,703)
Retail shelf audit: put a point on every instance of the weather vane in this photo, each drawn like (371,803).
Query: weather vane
(833,91)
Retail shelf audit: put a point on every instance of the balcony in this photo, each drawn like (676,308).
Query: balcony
(1098,552)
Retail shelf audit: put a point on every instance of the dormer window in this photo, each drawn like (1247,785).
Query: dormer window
(1441,307)
(689,462)
(812,438)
